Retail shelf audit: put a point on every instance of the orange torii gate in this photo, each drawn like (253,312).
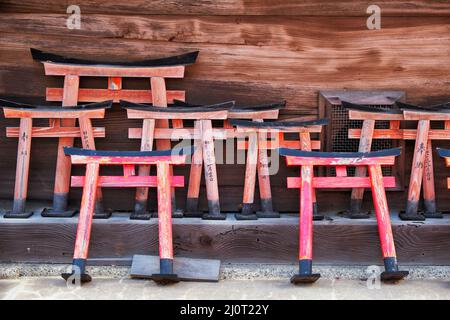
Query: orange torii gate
(307,183)
(257,113)
(258,142)
(26,132)
(422,168)
(92,181)
(72,69)
(203,135)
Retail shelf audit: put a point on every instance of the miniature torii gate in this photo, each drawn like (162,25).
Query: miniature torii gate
(422,167)
(308,183)
(72,69)
(258,143)
(445,153)
(203,135)
(26,132)
(257,113)
(164,181)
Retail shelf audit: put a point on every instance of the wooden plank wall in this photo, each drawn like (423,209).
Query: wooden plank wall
(250,50)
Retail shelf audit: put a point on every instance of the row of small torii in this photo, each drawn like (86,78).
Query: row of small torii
(162,123)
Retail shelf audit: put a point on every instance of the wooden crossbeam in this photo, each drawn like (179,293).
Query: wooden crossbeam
(127,181)
(55,132)
(97,95)
(401,134)
(338,161)
(52,113)
(339,182)
(56,69)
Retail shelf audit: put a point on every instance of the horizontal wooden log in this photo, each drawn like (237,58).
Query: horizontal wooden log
(236,7)
(126,182)
(291,144)
(301,161)
(98,95)
(54,132)
(274,241)
(339,182)
(404,134)
(63,114)
(56,69)
(112,160)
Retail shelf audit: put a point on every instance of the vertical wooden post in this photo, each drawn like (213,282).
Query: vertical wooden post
(306,228)
(365,143)
(428,185)
(87,140)
(249,179)
(210,170)
(265,192)
(165,218)
(22,170)
(195,175)
(384,225)
(85,223)
(305,143)
(63,164)
(140,206)
(415,181)
(159,98)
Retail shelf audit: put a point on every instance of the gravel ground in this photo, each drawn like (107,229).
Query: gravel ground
(231,271)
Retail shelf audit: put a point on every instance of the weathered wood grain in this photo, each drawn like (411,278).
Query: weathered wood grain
(237,7)
(230,241)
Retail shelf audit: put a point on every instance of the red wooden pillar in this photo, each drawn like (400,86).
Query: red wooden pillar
(63,164)
(306,228)
(140,205)
(417,170)
(22,171)
(429,195)
(365,144)
(384,225)
(210,172)
(166,274)
(247,212)
(84,225)
(195,175)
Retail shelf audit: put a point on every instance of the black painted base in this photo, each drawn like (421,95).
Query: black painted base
(165,279)
(78,272)
(214,216)
(52,213)
(241,216)
(433,215)
(17,215)
(318,217)
(361,215)
(143,215)
(305,278)
(105,214)
(72,277)
(267,214)
(411,217)
(246,213)
(393,276)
